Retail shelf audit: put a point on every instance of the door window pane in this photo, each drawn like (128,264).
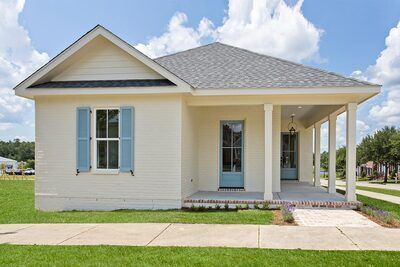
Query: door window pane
(237,134)
(289,151)
(285,142)
(237,160)
(285,160)
(102,154)
(292,142)
(292,160)
(113,123)
(226,135)
(227,159)
(113,154)
(101,123)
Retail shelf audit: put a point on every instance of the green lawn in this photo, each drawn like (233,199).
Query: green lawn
(383,205)
(17,206)
(380,190)
(390,181)
(13,255)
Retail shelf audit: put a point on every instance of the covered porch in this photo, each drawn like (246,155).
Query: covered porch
(293,192)
(241,148)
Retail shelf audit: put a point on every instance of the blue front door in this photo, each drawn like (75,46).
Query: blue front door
(231,155)
(289,156)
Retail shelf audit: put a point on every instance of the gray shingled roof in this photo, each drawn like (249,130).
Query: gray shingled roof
(104,83)
(223,66)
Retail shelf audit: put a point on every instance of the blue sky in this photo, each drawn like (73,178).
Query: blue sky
(343,36)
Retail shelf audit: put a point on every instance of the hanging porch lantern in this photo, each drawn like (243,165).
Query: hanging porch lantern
(292,126)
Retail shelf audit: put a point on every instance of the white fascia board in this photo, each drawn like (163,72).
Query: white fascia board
(31,93)
(288,91)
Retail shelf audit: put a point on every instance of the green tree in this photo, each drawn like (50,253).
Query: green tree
(365,150)
(341,161)
(383,147)
(395,150)
(30,163)
(324,161)
(18,150)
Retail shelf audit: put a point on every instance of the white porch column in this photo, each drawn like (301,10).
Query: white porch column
(351,121)
(332,154)
(268,151)
(317,154)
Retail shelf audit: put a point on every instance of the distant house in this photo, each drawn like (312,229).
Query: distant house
(366,168)
(9,164)
(116,129)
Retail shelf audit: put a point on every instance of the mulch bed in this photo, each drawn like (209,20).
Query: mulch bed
(278,219)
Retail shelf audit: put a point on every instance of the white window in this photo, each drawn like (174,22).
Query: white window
(107,139)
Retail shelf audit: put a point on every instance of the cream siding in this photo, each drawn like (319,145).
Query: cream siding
(189,151)
(208,120)
(157,179)
(106,62)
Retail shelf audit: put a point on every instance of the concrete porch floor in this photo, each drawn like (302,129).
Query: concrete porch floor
(290,191)
(301,193)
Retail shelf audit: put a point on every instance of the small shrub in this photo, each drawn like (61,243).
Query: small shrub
(381,215)
(245,206)
(287,213)
(201,208)
(393,174)
(238,207)
(265,206)
(217,207)
(363,175)
(226,206)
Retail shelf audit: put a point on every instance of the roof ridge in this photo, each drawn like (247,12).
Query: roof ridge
(302,65)
(187,50)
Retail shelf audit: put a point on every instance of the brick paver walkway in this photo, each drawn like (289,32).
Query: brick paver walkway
(331,217)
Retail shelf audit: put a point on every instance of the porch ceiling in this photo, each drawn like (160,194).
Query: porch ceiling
(309,114)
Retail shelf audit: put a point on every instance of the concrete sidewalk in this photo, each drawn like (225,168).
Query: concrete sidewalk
(203,235)
(389,198)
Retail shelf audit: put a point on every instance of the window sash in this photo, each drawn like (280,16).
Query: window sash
(107,140)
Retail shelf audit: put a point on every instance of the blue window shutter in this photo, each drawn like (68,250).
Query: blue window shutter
(83,139)
(127,121)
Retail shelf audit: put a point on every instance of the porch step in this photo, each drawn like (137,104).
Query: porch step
(187,203)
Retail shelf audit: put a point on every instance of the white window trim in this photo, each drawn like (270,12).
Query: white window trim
(95,139)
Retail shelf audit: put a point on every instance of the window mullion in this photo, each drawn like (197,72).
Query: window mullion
(107,136)
(231,149)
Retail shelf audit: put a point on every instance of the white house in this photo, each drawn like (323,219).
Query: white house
(116,129)
(9,164)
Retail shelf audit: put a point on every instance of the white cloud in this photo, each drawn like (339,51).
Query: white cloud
(5,126)
(388,112)
(178,37)
(270,27)
(18,59)
(386,71)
